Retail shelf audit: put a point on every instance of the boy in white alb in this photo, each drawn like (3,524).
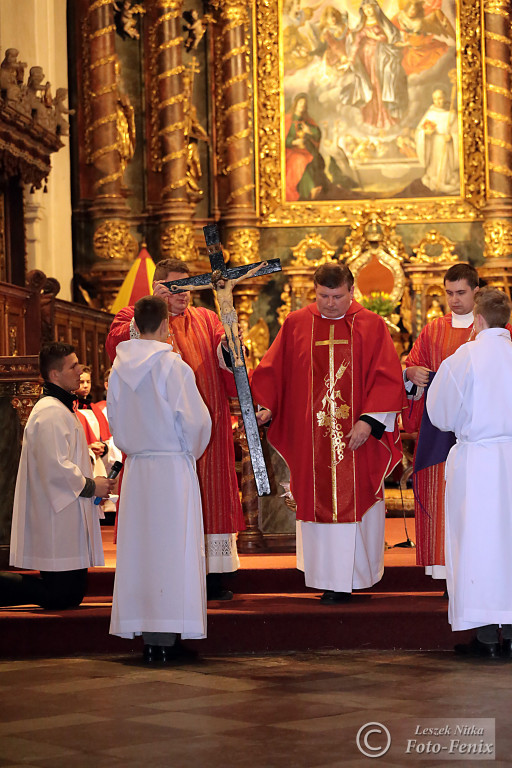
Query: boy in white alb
(159,420)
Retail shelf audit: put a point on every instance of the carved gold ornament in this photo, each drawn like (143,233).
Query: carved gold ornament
(434,248)
(243,246)
(498,238)
(113,240)
(313,242)
(275,211)
(177,242)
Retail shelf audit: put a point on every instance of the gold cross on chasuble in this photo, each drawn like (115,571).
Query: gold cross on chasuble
(331,412)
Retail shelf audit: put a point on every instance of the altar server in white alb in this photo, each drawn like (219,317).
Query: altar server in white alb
(55,526)
(159,420)
(471,395)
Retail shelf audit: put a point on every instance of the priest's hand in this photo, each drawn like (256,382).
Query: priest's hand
(161,290)
(103,486)
(359,434)
(263,416)
(418,374)
(97,448)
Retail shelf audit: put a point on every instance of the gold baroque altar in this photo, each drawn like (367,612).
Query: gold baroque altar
(226,154)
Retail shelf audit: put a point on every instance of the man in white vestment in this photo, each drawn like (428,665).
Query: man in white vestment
(55,525)
(437,145)
(159,420)
(471,395)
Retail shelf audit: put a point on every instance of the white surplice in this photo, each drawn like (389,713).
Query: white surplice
(345,556)
(53,528)
(159,420)
(471,395)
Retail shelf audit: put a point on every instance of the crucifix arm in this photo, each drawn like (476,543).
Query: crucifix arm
(250,273)
(183,288)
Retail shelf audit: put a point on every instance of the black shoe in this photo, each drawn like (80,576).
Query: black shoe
(219,594)
(477,648)
(151,654)
(176,653)
(329,597)
(506,649)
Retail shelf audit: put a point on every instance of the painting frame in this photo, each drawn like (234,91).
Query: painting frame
(274,211)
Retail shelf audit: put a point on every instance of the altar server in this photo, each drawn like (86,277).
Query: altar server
(159,420)
(471,396)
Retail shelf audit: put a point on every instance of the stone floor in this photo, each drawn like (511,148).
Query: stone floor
(287,711)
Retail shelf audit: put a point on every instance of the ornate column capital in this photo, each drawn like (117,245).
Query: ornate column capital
(243,246)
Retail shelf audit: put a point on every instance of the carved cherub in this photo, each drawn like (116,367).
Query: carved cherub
(223,295)
(62,125)
(127,20)
(195,27)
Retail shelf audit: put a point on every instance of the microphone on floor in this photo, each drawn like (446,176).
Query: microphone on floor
(116,468)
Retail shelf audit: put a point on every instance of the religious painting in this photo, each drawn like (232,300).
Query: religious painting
(371,106)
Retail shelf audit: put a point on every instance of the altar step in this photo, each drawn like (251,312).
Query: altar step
(271,611)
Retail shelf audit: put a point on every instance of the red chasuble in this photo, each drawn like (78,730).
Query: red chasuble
(318,377)
(437,341)
(196,335)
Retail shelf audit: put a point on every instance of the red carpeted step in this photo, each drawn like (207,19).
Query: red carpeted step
(397,578)
(250,622)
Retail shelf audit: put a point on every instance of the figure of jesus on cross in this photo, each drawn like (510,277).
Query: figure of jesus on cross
(223,279)
(223,296)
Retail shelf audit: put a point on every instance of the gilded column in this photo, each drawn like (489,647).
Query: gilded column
(104,102)
(110,143)
(498,81)
(171,103)
(234,110)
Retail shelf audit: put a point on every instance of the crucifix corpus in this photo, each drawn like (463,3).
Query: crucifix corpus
(223,279)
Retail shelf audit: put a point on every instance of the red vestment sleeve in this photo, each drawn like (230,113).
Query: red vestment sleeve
(119,331)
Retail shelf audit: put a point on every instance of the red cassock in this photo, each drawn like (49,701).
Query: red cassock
(318,377)
(196,335)
(437,341)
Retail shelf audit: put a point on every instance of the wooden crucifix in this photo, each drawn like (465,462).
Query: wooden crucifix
(223,279)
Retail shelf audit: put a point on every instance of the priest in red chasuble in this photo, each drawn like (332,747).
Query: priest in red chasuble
(333,384)
(437,341)
(195,333)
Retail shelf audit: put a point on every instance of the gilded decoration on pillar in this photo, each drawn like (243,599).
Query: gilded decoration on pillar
(235,12)
(234,99)
(243,246)
(113,240)
(432,248)
(257,340)
(498,238)
(110,159)
(498,8)
(286,304)
(194,132)
(177,242)
(275,210)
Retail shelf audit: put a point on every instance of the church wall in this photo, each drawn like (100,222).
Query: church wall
(37,28)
